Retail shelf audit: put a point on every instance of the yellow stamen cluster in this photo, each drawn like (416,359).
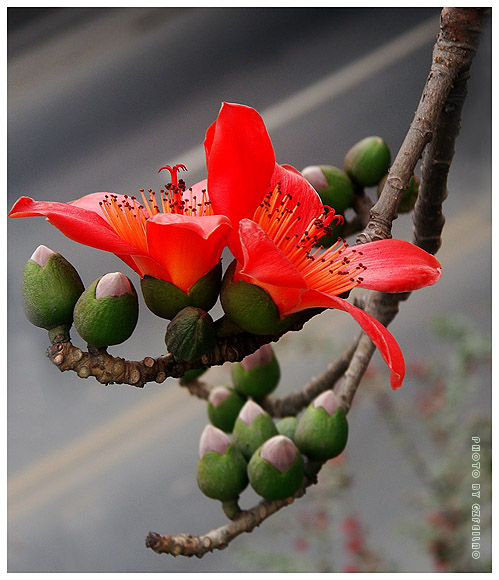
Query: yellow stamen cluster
(334,270)
(128,217)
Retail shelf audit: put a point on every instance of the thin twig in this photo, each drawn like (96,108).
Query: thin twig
(219,538)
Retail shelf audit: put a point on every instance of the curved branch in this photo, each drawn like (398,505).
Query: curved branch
(218,539)
(291,404)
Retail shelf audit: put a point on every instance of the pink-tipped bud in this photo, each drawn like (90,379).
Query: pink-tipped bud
(213,439)
(328,401)
(41,255)
(250,412)
(263,355)
(315,176)
(218,395)
(113,284)
(280,452)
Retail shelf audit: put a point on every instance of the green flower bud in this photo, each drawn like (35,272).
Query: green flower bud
(287,426)
(253,427)
(409,196)
(190,334)
(192,375)
(166,300)
(250,307)
(334,186)
(322,430)
(367,161)
(50,288)
(224,405)
(276,469)
(107,312)
(222,470)
(257,374)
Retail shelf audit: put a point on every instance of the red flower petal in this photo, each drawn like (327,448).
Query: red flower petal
(263,262)
(82,225)
(397,266)
(293,183)
(240,162)
(189,247)
(381,337)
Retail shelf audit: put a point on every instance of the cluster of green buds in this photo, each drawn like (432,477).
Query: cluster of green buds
(54,298)
(255,377)
(365,165)
(257,453)
(275,452)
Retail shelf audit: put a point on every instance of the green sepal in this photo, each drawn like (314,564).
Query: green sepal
(166,300)
(321,436)
(49,293)
(192,375)
(107,320)
(269,482)
(190,334)
(250,307)
(257,382)
(225,414)
(340,192)
(248,438)
(222,477)
(367,161)
(287,426)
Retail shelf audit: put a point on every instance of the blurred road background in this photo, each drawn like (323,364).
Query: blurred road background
(98,100)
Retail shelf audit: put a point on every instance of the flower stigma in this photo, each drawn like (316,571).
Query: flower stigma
(128,217)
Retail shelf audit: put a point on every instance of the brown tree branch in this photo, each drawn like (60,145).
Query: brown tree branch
(108,369)
(453,53)
(219,538)
(293,403)
(437,120)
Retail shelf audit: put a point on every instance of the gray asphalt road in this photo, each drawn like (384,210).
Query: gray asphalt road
(98,101)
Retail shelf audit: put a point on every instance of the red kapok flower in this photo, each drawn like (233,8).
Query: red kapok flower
(278,218)
(174,236)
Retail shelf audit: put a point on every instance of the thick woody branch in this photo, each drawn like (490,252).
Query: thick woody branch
(437,119)
(452,56)
(428,218)
(108,369)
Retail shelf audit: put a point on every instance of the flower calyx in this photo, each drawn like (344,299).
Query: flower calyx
(166,300)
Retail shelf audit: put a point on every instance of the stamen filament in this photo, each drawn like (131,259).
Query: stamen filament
(331,271)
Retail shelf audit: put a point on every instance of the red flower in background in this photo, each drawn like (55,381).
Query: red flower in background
(175,237)
(278,218)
